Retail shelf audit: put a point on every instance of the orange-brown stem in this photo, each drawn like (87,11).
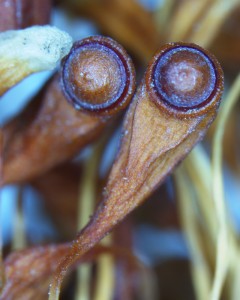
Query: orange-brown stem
(158,133)
(17,14)
(50,131)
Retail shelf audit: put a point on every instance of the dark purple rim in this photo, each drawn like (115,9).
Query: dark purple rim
(123,90)
(203,107)
(164,98)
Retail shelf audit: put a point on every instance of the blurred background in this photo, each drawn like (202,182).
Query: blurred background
(187,234)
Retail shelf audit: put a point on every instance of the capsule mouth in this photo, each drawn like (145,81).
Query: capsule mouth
(97,75)
(184,78)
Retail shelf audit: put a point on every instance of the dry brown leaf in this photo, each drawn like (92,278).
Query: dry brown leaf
(28,272)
